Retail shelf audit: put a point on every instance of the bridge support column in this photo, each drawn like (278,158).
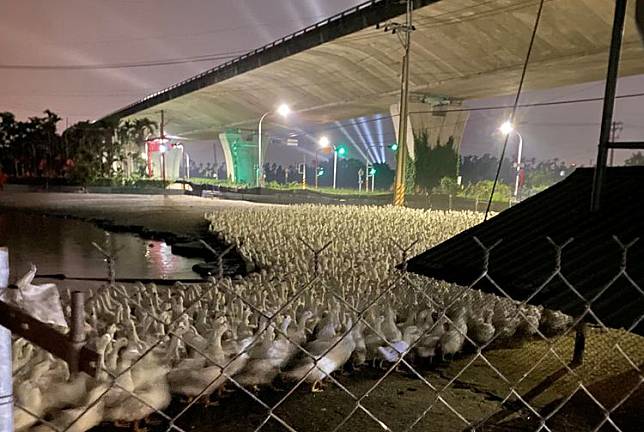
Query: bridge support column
(442,119)
(240,152)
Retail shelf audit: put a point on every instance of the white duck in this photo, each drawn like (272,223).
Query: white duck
(315,371)
(392,353)
(481,329)
(203,382)
(153,390)
(79,419)
(29,396)
(268,357)
(451,342)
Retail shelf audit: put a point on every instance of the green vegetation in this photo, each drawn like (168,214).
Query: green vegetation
(434,163)
(636,159)
(85,153)
(273,185)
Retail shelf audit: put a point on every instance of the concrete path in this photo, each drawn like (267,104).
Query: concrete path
(177,214)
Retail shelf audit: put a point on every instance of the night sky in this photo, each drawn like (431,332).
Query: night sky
(77,33)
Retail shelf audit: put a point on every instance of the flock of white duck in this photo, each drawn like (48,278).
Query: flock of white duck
(191,341)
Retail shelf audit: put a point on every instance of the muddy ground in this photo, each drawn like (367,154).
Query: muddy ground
(474,391)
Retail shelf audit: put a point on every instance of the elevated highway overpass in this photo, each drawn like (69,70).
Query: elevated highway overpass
(347,66)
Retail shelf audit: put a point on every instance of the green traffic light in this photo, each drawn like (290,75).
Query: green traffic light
(342,151)
(393,147)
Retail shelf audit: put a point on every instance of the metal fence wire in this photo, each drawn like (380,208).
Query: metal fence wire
(318,350)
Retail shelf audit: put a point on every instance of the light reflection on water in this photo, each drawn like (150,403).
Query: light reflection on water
(64,246)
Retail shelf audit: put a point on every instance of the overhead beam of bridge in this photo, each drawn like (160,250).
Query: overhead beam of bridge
(345,67)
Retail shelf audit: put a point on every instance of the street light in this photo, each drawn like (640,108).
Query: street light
(325,143)
(283,110)
(506,129)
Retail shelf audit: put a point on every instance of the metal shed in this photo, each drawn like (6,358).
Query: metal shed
(601,253)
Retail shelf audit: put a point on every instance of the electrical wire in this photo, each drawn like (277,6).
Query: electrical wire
(501,107)
(515,105)
(166,62)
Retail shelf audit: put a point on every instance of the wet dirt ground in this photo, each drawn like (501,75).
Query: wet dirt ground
(470,391)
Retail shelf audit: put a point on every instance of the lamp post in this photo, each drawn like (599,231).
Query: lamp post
(506,129)
(316,169)
(283,111)
(324,143)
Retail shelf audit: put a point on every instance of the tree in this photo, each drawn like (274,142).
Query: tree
(385,176)
(636,159)
(482,190)
(8,137)
(85,151)
(433,164)
(478,168)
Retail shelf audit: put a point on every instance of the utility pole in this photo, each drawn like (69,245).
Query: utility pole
(406,29)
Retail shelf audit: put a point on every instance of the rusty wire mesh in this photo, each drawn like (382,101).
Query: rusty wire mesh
(444,371)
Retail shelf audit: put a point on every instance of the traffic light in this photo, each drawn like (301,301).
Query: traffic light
(372,171)
(393,147)
(341,150)
(320,171)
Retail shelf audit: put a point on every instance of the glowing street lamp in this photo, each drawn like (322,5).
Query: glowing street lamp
(324,142)
(506,129)
(283,110)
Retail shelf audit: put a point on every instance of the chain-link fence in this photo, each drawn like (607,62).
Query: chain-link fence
(315,349)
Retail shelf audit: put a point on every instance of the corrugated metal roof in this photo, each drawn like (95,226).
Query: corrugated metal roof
(524,260)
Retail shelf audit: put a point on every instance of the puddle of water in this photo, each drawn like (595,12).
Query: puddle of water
(57,245)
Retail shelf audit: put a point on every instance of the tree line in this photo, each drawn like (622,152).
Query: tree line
(83,153)
(436,168)
(110,150)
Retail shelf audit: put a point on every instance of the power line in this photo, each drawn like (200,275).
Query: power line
(497,107)
(196,59)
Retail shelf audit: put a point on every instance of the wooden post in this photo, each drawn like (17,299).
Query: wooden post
(77,328)
(580,345)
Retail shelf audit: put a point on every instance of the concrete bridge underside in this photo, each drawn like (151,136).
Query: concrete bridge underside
(345,67)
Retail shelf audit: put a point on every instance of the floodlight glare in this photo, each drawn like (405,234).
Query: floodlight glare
(284,110)
(324,142)
(506,128)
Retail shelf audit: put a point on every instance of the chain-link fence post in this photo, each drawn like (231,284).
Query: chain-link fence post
(6,386)
(110,260)
(219,256)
